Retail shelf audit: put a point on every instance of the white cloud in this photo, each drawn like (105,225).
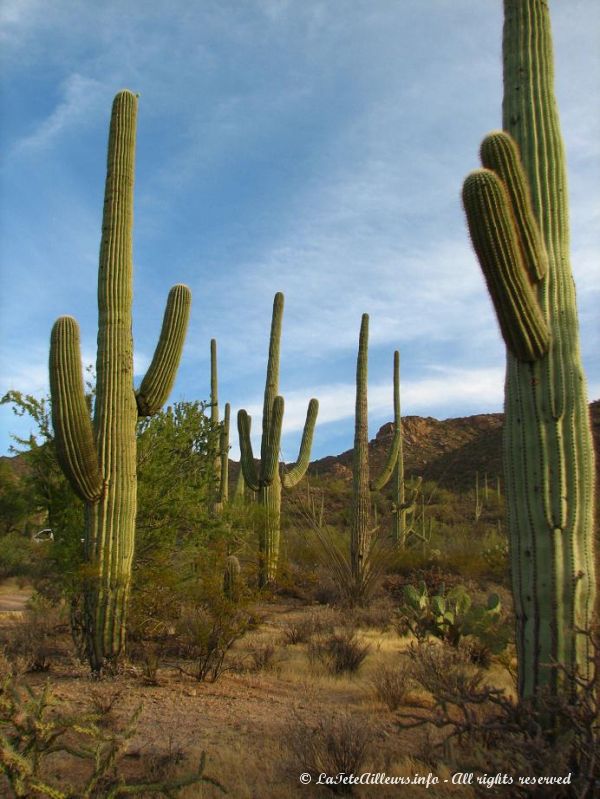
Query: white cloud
(474,388)
(82,97)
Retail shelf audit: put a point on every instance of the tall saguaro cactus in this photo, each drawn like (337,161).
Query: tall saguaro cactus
(361,532)
(100,458)
(221,437)
(266,480)
(518,220)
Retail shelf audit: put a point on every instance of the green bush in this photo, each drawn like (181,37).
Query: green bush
(16,555)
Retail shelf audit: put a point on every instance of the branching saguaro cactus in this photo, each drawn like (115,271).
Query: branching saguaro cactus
(100,458)
(361,531)
(516,209)
(220,431)
(402,508)
(266,480)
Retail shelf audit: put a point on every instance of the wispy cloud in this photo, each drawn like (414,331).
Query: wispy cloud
(470,388)
(80,97)
(312,148)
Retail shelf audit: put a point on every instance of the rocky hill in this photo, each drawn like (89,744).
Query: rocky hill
(450,452)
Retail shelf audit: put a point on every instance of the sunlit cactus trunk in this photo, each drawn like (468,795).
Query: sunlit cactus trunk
(523,246)
(361,531)
(110,523)
(219,444)
(100,459)
(266,480)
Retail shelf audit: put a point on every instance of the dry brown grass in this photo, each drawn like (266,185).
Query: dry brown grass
(244,719)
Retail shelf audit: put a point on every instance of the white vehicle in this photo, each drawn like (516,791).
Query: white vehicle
(43,535)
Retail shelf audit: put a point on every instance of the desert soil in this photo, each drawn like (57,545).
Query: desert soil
(245,721)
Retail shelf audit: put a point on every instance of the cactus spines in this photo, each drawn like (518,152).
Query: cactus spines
(548,454)
(361,532)
(266,480)
(104,454)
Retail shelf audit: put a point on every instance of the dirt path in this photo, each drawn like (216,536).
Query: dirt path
(12,596)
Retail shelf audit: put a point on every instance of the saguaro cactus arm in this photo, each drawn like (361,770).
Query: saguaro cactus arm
(298,470)
(159,378)
(270,460)
(247,463)
(499,153)
(388,469)
(74,437)
(496,242)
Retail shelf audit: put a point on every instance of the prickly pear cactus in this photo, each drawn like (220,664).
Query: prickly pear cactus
(518,219)
(100,458)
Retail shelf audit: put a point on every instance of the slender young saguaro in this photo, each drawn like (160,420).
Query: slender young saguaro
(220,437)
(100,459)
(401,507)
(516,209)
(361,533)
(266,480)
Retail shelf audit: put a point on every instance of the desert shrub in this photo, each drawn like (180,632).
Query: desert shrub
(484,730)
(300,631)
(260,657)
(147,655)
(160,766)
(103,700)
(444,672)
(391,683)
(336,746)
(30,642)
(207,632)
(33,729)
(340,652)
(326,592)
(379,615)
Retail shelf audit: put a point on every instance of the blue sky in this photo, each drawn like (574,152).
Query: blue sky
(314,147)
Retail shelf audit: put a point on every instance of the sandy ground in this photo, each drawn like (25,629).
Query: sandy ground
(244,722)
(12,596)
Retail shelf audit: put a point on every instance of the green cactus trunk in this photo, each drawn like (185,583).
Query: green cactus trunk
(361,532)
(267,481)
(548,443)
(549,459)
(219,444)
(110,523)
(100,460)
